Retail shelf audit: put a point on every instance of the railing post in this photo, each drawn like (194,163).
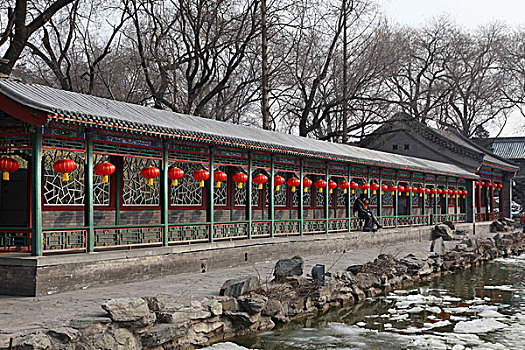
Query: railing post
(164,188)
(271,188)
(210,194)
(36,193)
(88,195)
(326,194)
(249,194)
(301,196)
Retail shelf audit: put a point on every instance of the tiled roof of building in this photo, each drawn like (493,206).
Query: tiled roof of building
(509,147)
(94,111)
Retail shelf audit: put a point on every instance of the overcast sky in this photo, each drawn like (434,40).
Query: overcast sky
(467,13)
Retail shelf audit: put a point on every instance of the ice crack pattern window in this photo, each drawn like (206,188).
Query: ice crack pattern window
(221,193)
(187,192)
(56,191)
(135,190)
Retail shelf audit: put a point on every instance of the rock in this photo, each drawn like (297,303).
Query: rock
(214,305)
(412,262)
(229,304)
(126,309)
(156,303)
(509,221)
(367,280)
(438,246)
(460,232)
(253,304)
(125,339)
(288,267)
(373,292)
(496,226)
(355,269)
(81,323)
(357,293)
(161,334)
(240,320)
(318,273)
(450,224)
(272,308)
(240,286)
(195,311)
(443,231)
(207,327)
(65,334)
(37,341)
(349,276)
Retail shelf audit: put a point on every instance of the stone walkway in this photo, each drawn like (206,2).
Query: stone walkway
(22,315)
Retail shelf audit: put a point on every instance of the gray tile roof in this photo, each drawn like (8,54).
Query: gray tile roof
(91,109)
(509,147)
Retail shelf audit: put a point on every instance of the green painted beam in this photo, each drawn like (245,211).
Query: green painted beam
(36,193)
(301,197)
(326,194)
(89,218)
(348,200)
(271,205)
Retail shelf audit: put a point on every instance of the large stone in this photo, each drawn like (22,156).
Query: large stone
(497,226)
(126,309)
(253,304)
(65,334)
(161,334)
(355,269)
(240,286)
(155,303)
(438,246)
(412,262)
(195,311)
(36,341)
(288,267)
(443,231)
(272,308)
(367,280)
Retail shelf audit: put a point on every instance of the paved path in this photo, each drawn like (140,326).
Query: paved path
(21,315)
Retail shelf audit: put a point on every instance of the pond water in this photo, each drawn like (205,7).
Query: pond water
(480,308)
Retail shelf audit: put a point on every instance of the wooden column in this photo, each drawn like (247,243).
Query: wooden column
(36,193)
(410,214)
(271,204)
(301,196)
(164,195)
(89,217)
(380,198)
(326,194)
(118,177)
(348,198)
(396,200)
(249,193)
(210,197)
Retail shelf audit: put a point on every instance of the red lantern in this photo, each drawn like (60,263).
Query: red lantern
(306,183)
(374,187)
(481,183)
(201,176)
(260,179)
(392,188)
(332,185)
(293,182)
(364,187)
(64,167)
(219,177)
(8,165)
(240,178)
(400,189)
(408,189)
(320,184)
(278,181)
(150,172)
(500,186)
(354,186)
(175,174)
(433,191)
(421,190)
(384,188)
(439,191)
(105,169)
(344,186)
(476,183)
(487,184)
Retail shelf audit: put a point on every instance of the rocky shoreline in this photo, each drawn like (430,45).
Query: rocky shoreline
(246,306)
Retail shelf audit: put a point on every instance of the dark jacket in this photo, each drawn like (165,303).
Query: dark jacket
(359,207)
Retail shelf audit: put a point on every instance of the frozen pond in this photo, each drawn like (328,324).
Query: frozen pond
(481,308)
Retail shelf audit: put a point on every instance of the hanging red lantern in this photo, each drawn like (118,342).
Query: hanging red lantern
(8,165)
(201,176)
(433,191)
(439,191)
(384,188)
(344,186)
(219,177)
(150,172)
(481,184)
(105,169)
(64,167)
(332,185)
(476,183)
(175,174)
(293,182)
(420,190)
(487,184)
(408,189)
(364,187)
(500,186)
(278,181)
(465,192)
(260,179)
(374,187)
(354,186)
(306,183)
(392,188)
(320,184)
(400,189)
(240,178)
